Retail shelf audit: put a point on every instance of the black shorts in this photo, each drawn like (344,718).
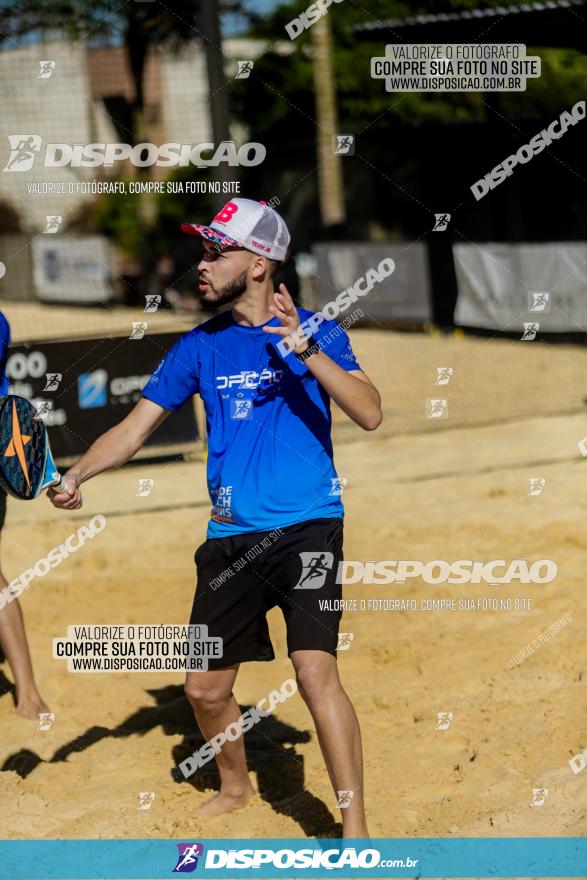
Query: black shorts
(241,577)
(2,506)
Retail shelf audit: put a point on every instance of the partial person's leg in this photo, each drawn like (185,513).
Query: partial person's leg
(13,641)
(211,698)
(235,614)
(338,731)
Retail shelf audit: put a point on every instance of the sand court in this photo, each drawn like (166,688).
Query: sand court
(418,489)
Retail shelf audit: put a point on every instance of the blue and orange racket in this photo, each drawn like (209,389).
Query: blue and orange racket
(26,462)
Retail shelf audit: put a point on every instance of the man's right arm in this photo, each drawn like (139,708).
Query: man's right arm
(110,450)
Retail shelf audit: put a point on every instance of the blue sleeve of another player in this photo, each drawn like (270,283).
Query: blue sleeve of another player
(337,345)
(176,378)
(4,343)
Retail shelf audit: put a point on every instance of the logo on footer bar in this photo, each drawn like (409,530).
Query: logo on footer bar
(187,860)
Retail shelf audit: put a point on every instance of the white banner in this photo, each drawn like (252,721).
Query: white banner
(403,297)
(504,286)
(74,270)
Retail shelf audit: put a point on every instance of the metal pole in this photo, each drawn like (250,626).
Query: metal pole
(219,109)
(330,182)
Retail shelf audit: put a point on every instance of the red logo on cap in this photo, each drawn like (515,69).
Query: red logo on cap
(260,245)
(228,210)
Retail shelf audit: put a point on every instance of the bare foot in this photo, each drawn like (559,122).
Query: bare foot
(31,707)
(225,803)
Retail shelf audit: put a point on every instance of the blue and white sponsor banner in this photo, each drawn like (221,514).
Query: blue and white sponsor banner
(273,858)
(97,383)
(69,269)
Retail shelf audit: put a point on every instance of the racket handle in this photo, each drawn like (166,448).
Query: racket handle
(61,487)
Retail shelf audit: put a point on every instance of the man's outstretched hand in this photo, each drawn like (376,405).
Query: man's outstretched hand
(284,309)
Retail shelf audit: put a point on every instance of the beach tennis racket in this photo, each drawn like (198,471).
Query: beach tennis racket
(26,463)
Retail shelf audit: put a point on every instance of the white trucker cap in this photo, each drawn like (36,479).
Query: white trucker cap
(247,224)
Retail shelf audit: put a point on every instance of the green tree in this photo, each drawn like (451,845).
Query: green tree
(411,148)
(283,102)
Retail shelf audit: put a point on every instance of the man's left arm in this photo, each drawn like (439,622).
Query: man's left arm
(352,390)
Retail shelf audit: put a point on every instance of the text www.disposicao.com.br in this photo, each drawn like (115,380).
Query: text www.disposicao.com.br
(135,664)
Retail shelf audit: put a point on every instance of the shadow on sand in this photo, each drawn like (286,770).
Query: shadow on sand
(270,748)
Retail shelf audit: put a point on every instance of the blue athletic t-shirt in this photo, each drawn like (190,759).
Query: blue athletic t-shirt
(270,457)
(4,343)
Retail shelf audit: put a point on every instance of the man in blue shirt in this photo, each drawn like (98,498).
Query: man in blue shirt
(275,531)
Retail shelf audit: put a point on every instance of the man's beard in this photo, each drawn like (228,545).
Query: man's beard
(226,294)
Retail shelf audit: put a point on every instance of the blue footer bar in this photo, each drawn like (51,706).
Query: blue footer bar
(222,858)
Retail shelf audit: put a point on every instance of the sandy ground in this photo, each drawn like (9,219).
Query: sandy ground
(419,489)
(33,321)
